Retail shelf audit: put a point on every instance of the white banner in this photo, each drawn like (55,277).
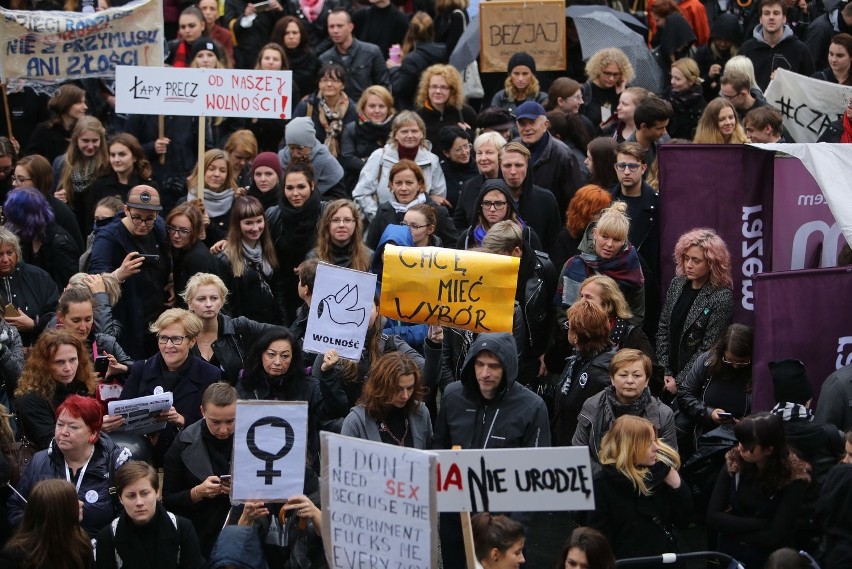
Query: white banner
(378,504)
(203,92)
(270,442)
(807,105)
(515,480)
(340,311)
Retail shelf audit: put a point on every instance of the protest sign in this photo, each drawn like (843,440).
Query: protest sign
(728,188)
(53,47)
(805,234)
(447,287)
(514,480)
(378,504)
(537,28)
(203,92)
(796,316)
(140,414)
(807,105)
(339,315)
(270,442)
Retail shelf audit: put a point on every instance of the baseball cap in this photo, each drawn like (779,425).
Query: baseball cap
(529,110)
(144,197)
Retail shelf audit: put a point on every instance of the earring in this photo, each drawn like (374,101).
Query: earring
(92,439)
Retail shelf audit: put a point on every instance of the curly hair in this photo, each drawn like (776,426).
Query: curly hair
(708,131)
(626,444)
(209,157)
(588,202)
(382,385)
(612,299)
(591,325)
(360,254)
(608,56)
(75,160)
(715,251)
(141,166)
(453,79)
(37,376)
(27,213)
(529,92)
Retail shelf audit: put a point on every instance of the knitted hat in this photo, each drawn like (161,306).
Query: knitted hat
(789,382)
(522,58)
(204,44)
(268,159)
(301,132)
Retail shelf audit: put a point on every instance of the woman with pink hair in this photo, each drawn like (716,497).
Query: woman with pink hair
(699,303)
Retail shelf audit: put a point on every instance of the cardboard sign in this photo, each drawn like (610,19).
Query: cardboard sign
(52,47)
(270,442)
(447,287)
(378,504)
(340,312)
(537,28)
(515,480)
(203,92)
(808,105)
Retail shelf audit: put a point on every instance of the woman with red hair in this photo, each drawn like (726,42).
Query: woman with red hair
(585,207)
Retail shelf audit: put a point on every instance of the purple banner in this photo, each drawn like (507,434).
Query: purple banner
(796,317)
(728,188)
(805,234)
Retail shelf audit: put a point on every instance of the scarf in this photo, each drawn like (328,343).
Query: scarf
(82,178)
(254,258)
(179,60)
(793,412)
(611,408)
(400,208)
(624,269)
(299,226)
(216,204)
(311,8)
(847,129)
(332,121)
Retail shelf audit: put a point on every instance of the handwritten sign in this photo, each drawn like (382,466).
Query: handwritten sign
(446,287)
(378,504)
(808,105)
(52,47)
(340,311)
(537,28)
(270,442)
(140,414)
(203,92)
(514,480)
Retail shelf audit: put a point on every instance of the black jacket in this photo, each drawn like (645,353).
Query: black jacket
(581,379)
(37,415)
(406,78)
(557,170)
(457,175)
(34,293)
(248,297)
(536,299)
(467,239)
(48,141)
(386,215)
(790,53)
(450,116)
(235,338)
(515,418)
(364,66)
(109,185)
(58,255)
(248,41)
(833,510)
(187,262)
(305,67)
(688,107)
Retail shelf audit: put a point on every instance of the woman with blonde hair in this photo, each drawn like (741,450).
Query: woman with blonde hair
(440,103)
(521,84)
(75,172)
(719,124)
(745,65)
(686,95)
(369,133)
(242,148)
(642,496)
(585,207)
(419,51)
(340,239)
(604,291)
(219,191)
(407,140)
(609,71)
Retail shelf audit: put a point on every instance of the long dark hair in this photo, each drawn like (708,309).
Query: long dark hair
(382,385)
(50,532)
(254,372)
(591,542)
(603,153)
(766,430)
(737,339)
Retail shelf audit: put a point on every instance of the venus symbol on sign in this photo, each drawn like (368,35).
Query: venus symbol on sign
(268,473)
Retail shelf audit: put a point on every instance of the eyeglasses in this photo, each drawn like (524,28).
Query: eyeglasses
(181,230)
(20,179)
(139,220)
(439,87)
(344,221)
(577,97)
(729,97)
(496,206)
(611,73)
(622,166)
(736,365)
(462,148)
(413,226)
(175,340)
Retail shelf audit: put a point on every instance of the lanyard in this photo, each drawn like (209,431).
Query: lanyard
(82,471)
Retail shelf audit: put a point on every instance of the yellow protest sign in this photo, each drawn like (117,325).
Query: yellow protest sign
(462,289)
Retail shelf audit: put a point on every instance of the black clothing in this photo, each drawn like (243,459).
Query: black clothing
(457,175)
(436,120)
(789,53)
(37,415)
(382,27)
(187,262)
(688,107)
(248,41)
(32,291)
(360,139)
(235,338)
(49,140)
(305,67)
(598,101)
(58,255)
(253,294)
(582,378)
(406,78)
(386,215)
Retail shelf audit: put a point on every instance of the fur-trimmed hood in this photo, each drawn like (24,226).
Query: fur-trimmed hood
(801,470)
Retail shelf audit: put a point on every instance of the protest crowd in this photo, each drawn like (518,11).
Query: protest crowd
(122,277)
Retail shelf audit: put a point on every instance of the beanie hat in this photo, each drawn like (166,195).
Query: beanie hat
(268,159)
(789,382)
(522,58)
(301,132)
(204,44)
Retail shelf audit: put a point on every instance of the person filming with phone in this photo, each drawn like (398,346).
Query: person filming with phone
(133,248)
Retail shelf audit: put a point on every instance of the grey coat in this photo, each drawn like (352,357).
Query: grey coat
(358,425)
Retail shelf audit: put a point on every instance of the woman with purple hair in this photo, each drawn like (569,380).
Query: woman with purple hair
(44,243)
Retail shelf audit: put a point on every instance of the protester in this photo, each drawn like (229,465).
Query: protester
(419,54)
(486,149)
(586,548)
(834,391)
(765,125)
(452,18)
(673,36)
(340,238)
(719,124)
(329,108)
(302,146)
(566,96)
(145,534)
(241,148)
(494,204)
(185,226)
(584,208)
(50,139)
(250,29)
(222,36)
(725,36)
(498,541)
(192,26)
(834,514)
(624,128)
(686,96)
(600,160)
(267,180)
(609,72)
(456,160)
(128,168)
(292,34)
(839,61)
(218,193)
(106,291)
(369,133)
(521,84)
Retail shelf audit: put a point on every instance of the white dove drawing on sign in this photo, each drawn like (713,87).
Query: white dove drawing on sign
(340,309)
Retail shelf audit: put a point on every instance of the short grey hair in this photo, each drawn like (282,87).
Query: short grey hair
(9,238)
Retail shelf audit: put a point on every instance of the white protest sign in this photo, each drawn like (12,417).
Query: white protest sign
(807,105)
(377,507)
(140,414)
(340,311)
(203,92)
(270,442)
(514,480)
